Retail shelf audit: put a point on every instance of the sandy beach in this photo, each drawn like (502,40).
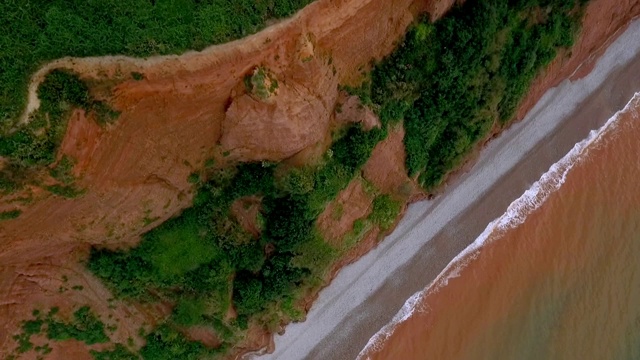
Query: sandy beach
(367,294)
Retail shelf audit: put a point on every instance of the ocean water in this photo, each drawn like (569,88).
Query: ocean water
(556,277)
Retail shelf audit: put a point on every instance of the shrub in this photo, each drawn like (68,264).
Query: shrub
(11,214)
(286,222)
(118,353)
(63,171)
(66,191)
(297,181)
(355,147)
(62,89)
(166,343)
(85,327)
(189,311)
(248,294)
(385,211)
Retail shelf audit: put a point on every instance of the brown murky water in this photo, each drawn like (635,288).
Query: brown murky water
(562,284)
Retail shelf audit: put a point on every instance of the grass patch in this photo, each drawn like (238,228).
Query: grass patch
(46,31)
(178,250)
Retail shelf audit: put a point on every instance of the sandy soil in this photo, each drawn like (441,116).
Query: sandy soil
(366,295)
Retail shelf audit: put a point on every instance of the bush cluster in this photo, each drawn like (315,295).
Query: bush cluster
(35,145)
(200,258)
(10,214)
(452,81)
(85,327)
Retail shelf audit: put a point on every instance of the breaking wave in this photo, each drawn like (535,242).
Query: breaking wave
(515,215)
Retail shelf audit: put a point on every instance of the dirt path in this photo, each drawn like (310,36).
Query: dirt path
(137,168)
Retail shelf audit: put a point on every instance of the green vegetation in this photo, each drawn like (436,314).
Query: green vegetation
(62,171)
(204,262)
(41,32)
(452,81)
(34,145)
(385,211)
(448,82)
(261,83)
(118,353)
(65,191)
(166,343)
(29,328)
(11,214)
(137,76)
(85,327)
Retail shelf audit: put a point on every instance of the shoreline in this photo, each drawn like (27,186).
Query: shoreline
(516,215)
(366,295)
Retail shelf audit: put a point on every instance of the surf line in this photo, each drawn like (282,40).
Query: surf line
(515,215)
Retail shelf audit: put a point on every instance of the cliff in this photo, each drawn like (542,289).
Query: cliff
(273,97)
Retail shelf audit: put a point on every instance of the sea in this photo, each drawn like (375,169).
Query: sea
(556,277)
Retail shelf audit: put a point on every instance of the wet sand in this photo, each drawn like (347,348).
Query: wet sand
(366,295)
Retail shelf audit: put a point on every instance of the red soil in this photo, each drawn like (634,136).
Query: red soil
(337,219)
(137,168)
(386,168)
(246,211)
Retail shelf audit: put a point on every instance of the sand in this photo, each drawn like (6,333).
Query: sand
(367,294)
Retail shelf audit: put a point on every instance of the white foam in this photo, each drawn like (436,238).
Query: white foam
(356,283)
(516,214)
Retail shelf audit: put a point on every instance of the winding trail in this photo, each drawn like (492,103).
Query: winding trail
(137,167)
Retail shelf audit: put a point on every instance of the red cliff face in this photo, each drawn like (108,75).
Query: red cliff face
(192,107)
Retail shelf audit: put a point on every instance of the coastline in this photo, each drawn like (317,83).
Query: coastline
(516,215)
(366,295)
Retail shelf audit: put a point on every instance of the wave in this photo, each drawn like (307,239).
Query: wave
(516,214)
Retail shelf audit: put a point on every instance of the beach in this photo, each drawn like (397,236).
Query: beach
(555,277)
(366,295)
